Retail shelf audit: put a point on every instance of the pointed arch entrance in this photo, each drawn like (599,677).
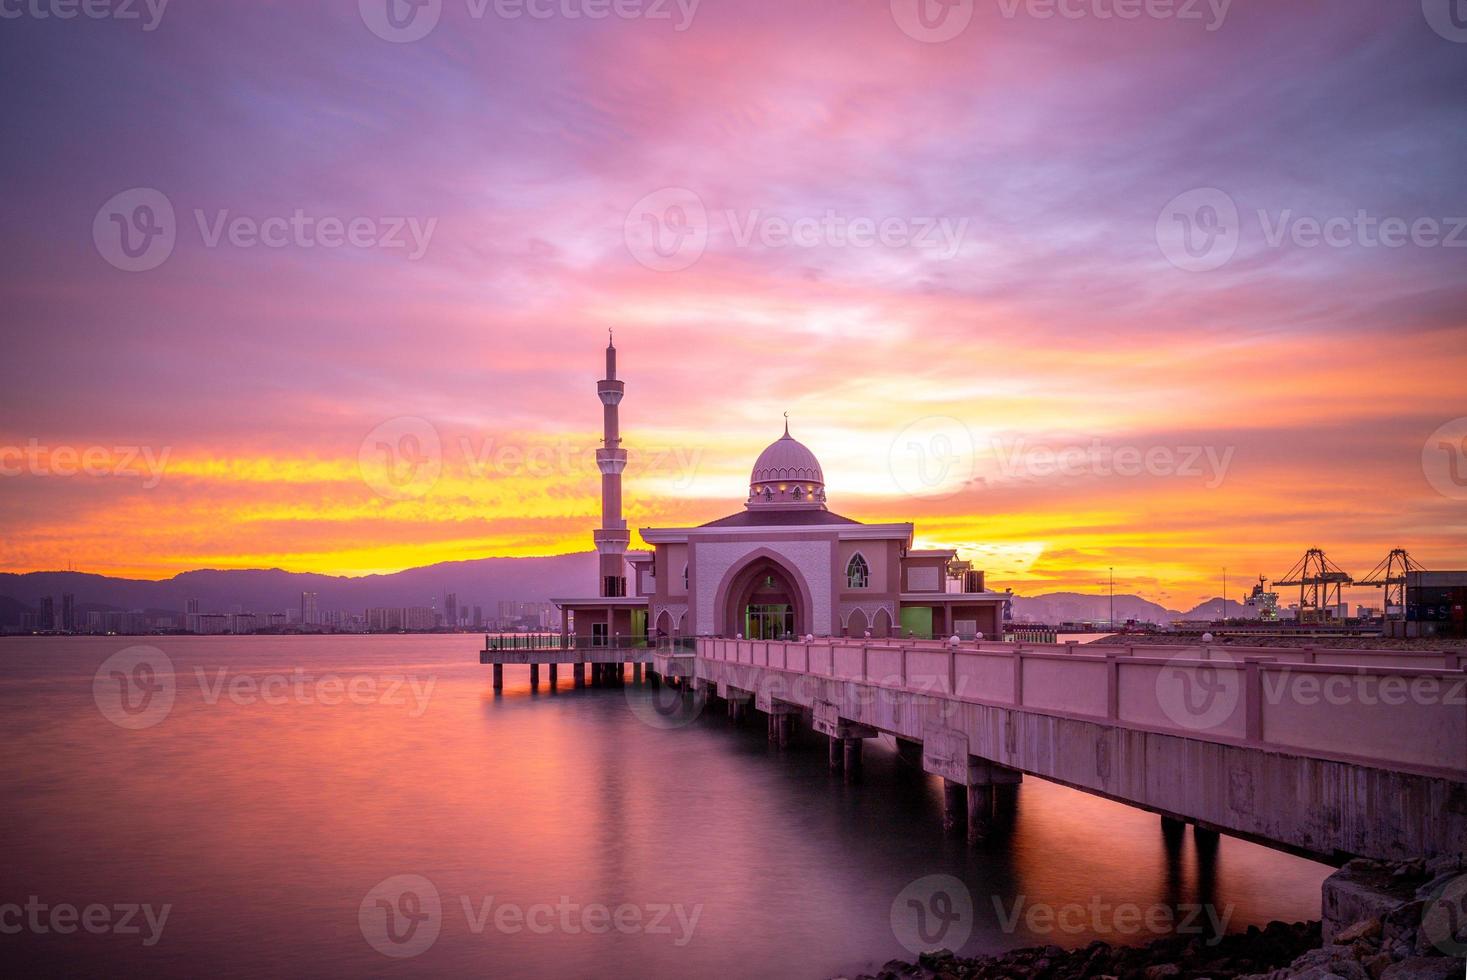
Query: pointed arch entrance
(763,597)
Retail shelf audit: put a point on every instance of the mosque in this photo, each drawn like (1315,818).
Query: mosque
(784,566)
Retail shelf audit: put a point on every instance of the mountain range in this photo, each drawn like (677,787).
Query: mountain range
(483,582)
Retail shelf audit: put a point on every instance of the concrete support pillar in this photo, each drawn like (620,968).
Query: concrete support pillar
(1172,829)
(772,728)
(1005,805)
(654,678)
(636,673)
(783,724)
(554,675)
(853,756)
(578,675)
(1206,840)
(837,755)
(953,802)
(499,677)
(980,813)
(534,676)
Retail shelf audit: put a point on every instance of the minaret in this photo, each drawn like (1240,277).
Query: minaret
(613,537)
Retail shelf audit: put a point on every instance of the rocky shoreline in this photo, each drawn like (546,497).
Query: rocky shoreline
(1409,927)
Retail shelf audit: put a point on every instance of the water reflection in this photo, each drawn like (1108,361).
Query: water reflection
(266,825)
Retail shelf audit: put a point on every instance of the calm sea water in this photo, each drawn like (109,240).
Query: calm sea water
(268,822)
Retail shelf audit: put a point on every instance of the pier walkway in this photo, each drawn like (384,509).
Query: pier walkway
(1329,753)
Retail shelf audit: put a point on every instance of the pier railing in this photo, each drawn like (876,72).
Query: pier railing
(536,642)
(1386,708)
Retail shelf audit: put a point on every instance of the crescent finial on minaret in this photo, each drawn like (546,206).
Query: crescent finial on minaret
(786,424)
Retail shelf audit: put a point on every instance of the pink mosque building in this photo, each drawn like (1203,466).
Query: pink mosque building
(785,565)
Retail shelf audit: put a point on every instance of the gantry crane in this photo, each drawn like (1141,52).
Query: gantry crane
(1320,581)
(1391,575)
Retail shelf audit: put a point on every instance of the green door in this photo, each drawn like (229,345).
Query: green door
(917,620)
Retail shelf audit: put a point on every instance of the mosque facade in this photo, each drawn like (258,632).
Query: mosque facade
(785,565)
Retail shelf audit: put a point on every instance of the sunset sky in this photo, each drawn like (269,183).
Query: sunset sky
(1027,296)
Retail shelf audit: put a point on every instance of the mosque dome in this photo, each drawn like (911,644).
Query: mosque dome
(787,473)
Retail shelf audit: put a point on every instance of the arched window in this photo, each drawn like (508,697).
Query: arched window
(685,578)
(799,493)
(858,573)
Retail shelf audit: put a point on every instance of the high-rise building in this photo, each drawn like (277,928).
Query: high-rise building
(478,617)
(450,610)
(191,615)
(48,613)
(310,613)
(418,618)
(68,612)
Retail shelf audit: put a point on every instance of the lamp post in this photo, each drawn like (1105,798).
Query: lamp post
(1112,623)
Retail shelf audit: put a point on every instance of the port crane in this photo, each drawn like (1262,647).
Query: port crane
(1391,575)
(1320,582)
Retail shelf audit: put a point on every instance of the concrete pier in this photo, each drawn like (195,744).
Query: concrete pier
(499,677)
(837,755)
(578,675)
(554,675)
(534,676)
(980,812)
(954,804)
(1260,757)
